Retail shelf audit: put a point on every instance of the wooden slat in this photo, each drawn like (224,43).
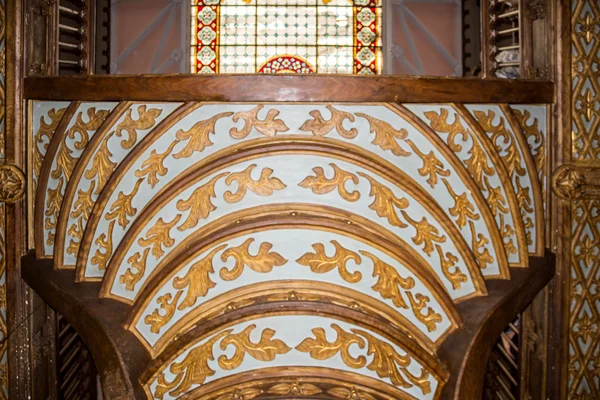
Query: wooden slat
(262,88)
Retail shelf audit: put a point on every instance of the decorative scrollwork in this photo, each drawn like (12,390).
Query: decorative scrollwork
(44,136)
(122,208)
(447,262)
(431,165)
(321,127)
(320,184)
(146,120)
(12,183)
(262,262)
(159,236)
(385,202)
(102,166)
(264,186)
(320,263)
(154,167)
(386,135)
(199,203)
(426,233)
(197,136)
(463,209)
(269,126)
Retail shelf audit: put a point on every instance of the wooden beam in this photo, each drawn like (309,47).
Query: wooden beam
(299,88)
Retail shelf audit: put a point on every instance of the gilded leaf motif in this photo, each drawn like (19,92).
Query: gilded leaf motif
(241,394)
(294,388)
(156,320)
(320,184)
(53,204)
(447,262)
(136,270)
(477,164)
(81,212)
(386,136)
(479,247)
(264,350)
(319,126)
(44,136)
(426,233)
(431,165)
(385,201)
(321,349)
(262,262)
(532,131)
(439,122)
(81,128)
(122,208)
(269,126)
(198,136)
(197,280)
(199,203)
(463,209)
(105,248)
(264,186)
(349,394)
(507,232)
(154,167)
(146,120)
(193,370)
(389,281)
(320,263)
(495,199)
(158,236)
(102,166)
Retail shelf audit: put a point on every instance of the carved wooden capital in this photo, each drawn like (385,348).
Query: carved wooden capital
(12,183)
(572,182)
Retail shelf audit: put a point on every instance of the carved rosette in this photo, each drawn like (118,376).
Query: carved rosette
(573,182)
(12,183)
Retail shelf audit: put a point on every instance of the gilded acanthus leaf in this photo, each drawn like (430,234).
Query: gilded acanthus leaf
(386,136)
(269,126)
(197,280)
(294,388)
(387,363)
(102,166)
(156,320)
(425,234)
(44,135)
(159,235)
(105,248)
(439,122)
(53,204)
(146,120)
(418,303)
(242,394)
(385,202)
(262,262)
(81,212)
(321,349)
(193,370)
(463,209)
(319,126)
(523,197)
(495,199)
(535,139)
(197,136)
(389,281)
(153,167)
(264,350)
(122,208)
(431,165)
(479,247)
(512,158)
(320,184)
(264,186)
(320,263)
(199,203)
(477,164)
(507,232)
(136,270)
(447,262)
(349,394)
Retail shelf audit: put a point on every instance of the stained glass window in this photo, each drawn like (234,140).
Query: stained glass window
(286,36)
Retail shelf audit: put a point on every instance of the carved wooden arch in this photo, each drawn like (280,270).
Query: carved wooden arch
(365,135)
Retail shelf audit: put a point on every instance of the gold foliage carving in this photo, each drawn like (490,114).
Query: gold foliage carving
(386,135)
(533,131)
(495,199)
(159,236)
(193,370)
(321,127)
(386,362)
(82,209)
(384,202)
(477,164)
(439,122)
(53,203)
(262,262)
(197,136)
(294,388)
(105,248)
(426,233)
(264,186)
(12,183)
(153,167)
(146,120)
(507,232)
(197,280)
(447,262)
(266,349)
(349,394)
(199,203)
(122,208)
(102,166)
(137,262)
(156,320)
(483,256)
(319,184)
(512,159)
(46,130)
(388,284)
(431,165)
(241,394)
(320,263)
(463,209)
(321,349)
(269,126)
